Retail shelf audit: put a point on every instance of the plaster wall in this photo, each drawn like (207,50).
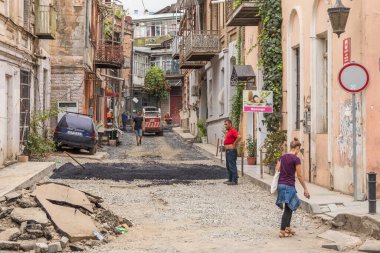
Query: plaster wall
(331,151)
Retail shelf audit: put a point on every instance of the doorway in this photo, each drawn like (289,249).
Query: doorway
(10,113)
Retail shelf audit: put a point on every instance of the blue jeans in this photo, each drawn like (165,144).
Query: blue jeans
(231,157)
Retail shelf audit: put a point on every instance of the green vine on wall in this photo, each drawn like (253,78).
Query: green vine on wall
(270,60)
(237,99)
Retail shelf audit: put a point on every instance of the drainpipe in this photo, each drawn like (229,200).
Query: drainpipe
(87,42)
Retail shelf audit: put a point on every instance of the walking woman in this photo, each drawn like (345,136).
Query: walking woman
(287,199)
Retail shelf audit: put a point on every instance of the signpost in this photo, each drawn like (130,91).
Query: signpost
(257,101)
(354,78)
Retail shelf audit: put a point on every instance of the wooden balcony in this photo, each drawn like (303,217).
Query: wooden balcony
(201,45)
(184,64)
(46,22)
(242,12)
(177,40)
(109,55)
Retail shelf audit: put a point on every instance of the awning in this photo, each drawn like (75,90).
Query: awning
(242,73)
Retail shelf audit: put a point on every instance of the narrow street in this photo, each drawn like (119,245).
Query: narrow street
(175,197)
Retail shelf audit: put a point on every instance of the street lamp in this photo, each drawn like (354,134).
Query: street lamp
(338,17)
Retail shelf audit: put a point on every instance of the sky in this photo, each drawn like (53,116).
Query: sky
(151,5)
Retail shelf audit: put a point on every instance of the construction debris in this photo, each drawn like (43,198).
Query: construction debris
(55,218)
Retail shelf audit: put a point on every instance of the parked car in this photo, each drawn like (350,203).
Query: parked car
(76,131)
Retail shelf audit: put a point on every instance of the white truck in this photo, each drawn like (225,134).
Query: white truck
(152,120)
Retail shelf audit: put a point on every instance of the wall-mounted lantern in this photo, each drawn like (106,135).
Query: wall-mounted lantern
(338,17)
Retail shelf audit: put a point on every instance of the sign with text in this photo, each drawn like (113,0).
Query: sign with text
(258,101)
(346,51)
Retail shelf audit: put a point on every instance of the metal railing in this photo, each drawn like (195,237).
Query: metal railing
(177,41)
(232,5)
(108,52)
(201,42)
(46,22)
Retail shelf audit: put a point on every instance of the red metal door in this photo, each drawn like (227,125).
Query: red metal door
(175,105)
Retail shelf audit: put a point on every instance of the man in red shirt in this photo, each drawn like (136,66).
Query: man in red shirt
(230,144)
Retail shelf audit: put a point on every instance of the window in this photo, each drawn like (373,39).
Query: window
(297,87)
(24,105)
(322,84)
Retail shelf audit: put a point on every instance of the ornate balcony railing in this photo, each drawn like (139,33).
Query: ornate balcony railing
(173,72)
(109,55)
(177,41)
(184,64)
(242,12)
(46,22)
(201,45)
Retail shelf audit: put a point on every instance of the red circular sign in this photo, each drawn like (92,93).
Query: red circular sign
(353,77)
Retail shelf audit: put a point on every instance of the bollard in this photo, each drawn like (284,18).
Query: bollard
(372,192)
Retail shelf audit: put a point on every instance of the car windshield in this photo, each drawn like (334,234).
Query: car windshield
(76,122)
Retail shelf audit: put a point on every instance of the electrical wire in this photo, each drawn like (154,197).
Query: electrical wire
(142,1)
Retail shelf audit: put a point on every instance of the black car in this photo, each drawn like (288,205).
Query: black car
(76,131)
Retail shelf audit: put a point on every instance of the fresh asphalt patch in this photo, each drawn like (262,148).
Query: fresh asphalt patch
(155,172)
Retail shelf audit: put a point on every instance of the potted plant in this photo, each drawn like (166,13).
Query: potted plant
(274,148)
(202,130)
(251,150)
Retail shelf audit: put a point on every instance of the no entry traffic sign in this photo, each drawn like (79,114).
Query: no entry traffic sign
(353,77)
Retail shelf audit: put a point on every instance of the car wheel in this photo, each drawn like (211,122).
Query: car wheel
(92,150)
(161,133)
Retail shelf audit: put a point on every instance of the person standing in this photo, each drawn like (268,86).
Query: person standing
(231,140)
(124,120)
(137,126)
(287,199)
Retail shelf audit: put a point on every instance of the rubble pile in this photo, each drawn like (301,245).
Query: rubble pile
(53,217)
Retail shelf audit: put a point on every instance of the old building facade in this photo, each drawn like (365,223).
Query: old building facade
(24,69)
(313,57)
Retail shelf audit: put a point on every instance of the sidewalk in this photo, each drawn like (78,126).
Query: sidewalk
(323,202)
(22,175)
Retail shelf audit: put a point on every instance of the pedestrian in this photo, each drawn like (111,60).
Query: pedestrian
(231,140)
(287,199)
(124,119)
(137,126)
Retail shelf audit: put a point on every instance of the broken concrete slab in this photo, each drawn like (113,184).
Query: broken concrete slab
(343,241)
(10,234)
(26,202)
(5,212)
(12,196)
(72,222)
(29,214)
(41,247)
(55,247)
(64,241)
(7,245)
(63,194)
(370,245)
(27,245)
(332,246)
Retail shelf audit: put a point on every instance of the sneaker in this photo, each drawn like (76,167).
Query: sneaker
(232,183)
(226,182)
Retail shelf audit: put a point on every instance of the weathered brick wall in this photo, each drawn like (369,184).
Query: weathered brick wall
(67,84)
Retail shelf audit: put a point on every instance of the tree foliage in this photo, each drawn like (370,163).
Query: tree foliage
(155,83)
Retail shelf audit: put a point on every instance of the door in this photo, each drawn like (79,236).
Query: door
(175,105)
(10,108)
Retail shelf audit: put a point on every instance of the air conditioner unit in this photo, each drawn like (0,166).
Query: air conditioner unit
(67,106)
(195,90)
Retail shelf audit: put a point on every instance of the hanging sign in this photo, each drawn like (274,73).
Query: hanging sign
(346,51)
(258,101)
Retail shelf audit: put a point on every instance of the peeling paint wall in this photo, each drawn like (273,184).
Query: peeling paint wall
(345,138)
